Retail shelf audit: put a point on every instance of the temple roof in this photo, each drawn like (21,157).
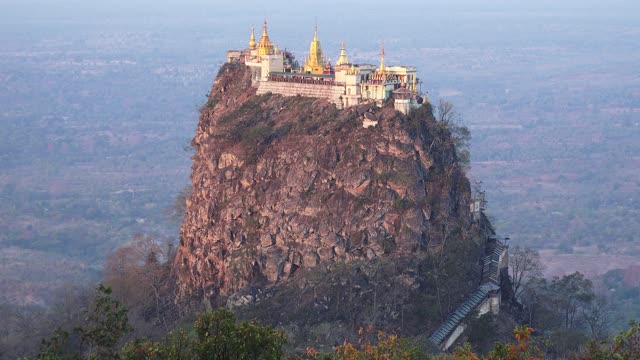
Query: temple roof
(265,47)
(315,59)
(343,56)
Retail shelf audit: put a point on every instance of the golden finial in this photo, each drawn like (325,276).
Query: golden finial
(252,39)
(264,28)
(382,58)
(343,56)
(315,31)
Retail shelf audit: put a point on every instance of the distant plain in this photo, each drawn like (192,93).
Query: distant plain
(97,110)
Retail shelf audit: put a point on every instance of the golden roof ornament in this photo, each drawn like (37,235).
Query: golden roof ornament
(382,58)
(343,56)
(252,39)
(264,30)
(265,47)
(315,62)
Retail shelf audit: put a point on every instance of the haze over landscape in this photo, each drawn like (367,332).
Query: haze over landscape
(99,102)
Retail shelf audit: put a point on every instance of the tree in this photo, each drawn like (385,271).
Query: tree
(480,328)
(597,314)
(571,293)
(69,300)
(625,346)
(179,208)
(389,347)
(524,265)
(106,323)
(103,327)
(479,194)
(533,298)
(446,113)
(215,335)
(521,350)
(57,347)
(141,276)
(460,135)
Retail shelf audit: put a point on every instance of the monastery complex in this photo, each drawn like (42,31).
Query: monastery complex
(344,84)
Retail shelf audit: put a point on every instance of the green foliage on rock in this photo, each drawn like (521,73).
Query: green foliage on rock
(402,204)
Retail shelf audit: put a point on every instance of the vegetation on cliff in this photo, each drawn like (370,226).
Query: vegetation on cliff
(218,335)
(131,318)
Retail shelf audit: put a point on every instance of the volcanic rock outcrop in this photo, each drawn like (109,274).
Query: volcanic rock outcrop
(280,184)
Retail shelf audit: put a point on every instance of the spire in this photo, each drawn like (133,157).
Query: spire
(252,39)
(264,29)
(382,58)
(315,62)
(315,31)
(265,47)
(343,56)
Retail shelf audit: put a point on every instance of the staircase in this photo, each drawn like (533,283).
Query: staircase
(453,326)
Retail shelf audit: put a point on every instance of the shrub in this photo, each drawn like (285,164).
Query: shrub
(384,176)
(215,335)
(402,204)
(389,347)
(211,102)
(258,133)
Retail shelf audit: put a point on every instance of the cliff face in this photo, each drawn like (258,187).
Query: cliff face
(282,185)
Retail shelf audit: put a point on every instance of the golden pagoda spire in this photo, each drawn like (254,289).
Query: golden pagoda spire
(264,29)
(315,62)
(343,56)
(315,31)
(265,47)
(382,58)
(252,39)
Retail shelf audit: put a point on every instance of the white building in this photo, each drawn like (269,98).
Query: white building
(346,84)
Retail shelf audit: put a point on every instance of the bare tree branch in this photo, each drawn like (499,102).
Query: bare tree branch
(524,265)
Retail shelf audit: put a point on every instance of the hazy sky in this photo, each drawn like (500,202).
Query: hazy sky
(17,10)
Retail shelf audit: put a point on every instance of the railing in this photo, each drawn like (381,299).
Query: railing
(380,82)
(303,80)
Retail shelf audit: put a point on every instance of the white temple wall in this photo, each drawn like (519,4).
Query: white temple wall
(333,93)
